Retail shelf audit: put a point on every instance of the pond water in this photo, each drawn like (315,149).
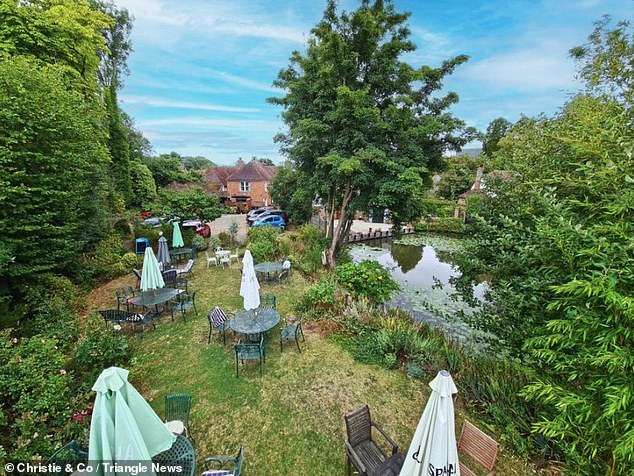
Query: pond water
(424,264)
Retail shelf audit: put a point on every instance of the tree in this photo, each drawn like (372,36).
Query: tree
(166,168)
(496,129)
(52,164)
(119,146)
(364,126)
(190,203)
(606,62)
(288,194)
(458,176)
(64,33)
(265,161)
(196,163)
(143,186)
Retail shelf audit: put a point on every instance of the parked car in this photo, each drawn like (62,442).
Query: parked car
(267,213)
(198,226)
(271,220)
(258,210)
(154,222)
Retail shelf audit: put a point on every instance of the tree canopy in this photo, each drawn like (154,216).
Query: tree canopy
(365,127)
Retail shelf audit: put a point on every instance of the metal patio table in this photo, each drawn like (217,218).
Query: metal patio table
(179,254)
(245,323)
(271,270)
(155,297)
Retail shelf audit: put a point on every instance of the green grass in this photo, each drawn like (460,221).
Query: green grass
(290,421)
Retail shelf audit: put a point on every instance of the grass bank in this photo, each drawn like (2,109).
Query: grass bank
(290,421)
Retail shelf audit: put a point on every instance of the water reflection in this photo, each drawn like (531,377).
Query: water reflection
(424,271)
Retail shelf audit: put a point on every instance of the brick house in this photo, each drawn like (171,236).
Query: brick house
(244,185)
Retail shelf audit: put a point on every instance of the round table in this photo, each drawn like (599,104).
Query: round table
(265,319)
(268,268)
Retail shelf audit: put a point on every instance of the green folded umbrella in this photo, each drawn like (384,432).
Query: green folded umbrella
(151,276)
(177,238)
(124,427)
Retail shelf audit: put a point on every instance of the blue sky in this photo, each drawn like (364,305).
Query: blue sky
(201,70)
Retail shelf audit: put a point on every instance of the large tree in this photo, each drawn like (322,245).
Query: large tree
(496,129)
(365,127)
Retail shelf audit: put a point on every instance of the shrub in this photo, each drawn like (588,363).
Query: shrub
(131,260)
(367,279)
(225,239)
(306,245)
(319,297)
(99,349)
(443,224)
(35,395)
(199,243)
(104,263)
(265,245)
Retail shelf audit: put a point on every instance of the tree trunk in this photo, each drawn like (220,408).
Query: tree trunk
(342,228)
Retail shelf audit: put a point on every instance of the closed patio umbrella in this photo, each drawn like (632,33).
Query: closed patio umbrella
(177,238)
(151,277)
(249,286)
(124,427)
(163,255)
(433,449)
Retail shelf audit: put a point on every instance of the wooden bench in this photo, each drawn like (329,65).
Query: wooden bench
(478,446)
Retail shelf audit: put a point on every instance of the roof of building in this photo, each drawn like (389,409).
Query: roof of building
(218,175)
(252,171)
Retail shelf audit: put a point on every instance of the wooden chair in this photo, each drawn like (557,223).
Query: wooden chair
(363,452)
(479,446)
(221,463)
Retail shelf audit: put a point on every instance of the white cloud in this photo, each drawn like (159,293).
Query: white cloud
(529,69)
(158,102)
(239,124)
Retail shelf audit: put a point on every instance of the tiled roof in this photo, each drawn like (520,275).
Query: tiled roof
(253,171)
(218,175)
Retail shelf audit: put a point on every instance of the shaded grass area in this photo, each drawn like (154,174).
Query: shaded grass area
(290,421)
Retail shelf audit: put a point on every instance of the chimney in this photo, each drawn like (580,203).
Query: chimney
(476,185)
(239,163)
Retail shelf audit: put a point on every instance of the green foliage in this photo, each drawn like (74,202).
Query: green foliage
(52,163)
(367,279)
(99,349)
(66,33)
(556,239)
(104,263)
(233,231)
(190,203)
(496,129)
(198,242)
(364,126)
(605,62)
(196,163)
(319,298)
(440,224)
(119,148)
(143,186)
(265,244)
(166,169)
(225,239)
(458,176)
(291,193)
(130,261)
(306,245)
(35,391)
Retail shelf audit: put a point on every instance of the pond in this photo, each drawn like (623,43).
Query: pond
(424,264)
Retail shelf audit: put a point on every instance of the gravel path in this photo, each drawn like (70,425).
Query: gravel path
(222,224)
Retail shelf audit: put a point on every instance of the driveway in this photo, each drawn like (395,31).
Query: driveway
(222,224)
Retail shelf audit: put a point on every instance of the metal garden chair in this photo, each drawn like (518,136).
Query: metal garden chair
(250,352)
(291,331)
(123,296)
(224,462)
(267,301)
(179,460)
(219,321)
(177,408)
(183,303)
(69,454)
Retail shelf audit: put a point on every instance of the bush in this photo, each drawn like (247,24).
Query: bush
(307,245)
(319,297)
(444,224)
(199,243)
(35,395)
(225,239)
(367,279)
(104,263)
(130,261)
(265,245)
(98,350)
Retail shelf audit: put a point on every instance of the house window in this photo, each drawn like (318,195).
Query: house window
(245,187)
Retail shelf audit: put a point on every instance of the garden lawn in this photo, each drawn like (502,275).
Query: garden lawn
(290,421)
